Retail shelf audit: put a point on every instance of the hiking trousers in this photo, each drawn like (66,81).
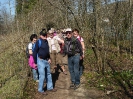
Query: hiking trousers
(35,74)
(44,74)
(73,65)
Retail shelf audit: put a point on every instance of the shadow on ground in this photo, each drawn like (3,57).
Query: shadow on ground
(61,83)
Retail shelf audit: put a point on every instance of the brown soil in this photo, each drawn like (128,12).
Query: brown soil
(62,83)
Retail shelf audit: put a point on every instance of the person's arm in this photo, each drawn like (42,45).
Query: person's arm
(35,52)
(49,60)
(59,39)
(83,47)
(30,52)
(30,48)
(64,49)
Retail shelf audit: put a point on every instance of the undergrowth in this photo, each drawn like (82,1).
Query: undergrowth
(117,79)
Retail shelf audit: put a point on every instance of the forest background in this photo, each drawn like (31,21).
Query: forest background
(105,25)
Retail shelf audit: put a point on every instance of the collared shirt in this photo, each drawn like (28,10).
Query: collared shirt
(53,46)
(80,38)
(30,46)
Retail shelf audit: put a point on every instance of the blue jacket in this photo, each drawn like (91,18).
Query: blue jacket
(41,51)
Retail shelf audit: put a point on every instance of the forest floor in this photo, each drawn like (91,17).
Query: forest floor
(62,84)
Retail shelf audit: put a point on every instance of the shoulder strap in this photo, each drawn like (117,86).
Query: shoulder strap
(33,45)
(79,38)
(39,43)
(65,39)
(74,44)
(73,39)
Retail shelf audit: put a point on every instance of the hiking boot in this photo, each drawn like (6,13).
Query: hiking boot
(43,93)
(37,80)
(72,85)
(76,86)
(52,90)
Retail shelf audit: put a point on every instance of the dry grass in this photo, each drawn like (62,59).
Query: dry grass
(13,66)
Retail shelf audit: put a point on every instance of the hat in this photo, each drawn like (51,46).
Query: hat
(68,29)
(43,34)
(50,31)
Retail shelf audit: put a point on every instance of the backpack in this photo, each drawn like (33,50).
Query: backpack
(71,46)
(79,38)
(33,46)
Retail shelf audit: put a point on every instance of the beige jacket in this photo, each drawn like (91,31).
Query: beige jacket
(56,43)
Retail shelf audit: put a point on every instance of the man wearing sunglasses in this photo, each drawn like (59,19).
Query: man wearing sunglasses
(73,49)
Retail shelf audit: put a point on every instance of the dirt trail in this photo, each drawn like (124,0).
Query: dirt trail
(62,83)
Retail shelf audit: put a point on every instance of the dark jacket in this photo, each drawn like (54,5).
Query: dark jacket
(72,46)
(41,51)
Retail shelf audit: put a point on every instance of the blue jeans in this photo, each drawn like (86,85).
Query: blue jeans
(42,65)
(73,65)
(35,74)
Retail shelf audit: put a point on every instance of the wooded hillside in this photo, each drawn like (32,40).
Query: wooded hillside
(107,28)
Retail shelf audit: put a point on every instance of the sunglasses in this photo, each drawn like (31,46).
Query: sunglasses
(68,32)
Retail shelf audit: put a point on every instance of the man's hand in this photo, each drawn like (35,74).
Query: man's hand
(81,57)
(49,61)
(35,65)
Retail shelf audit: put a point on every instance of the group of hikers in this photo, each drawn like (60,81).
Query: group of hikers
(56,48)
